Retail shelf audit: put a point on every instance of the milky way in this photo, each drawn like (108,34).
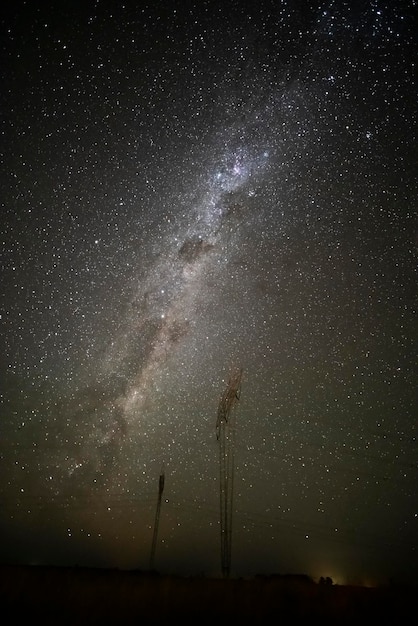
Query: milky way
(165,308)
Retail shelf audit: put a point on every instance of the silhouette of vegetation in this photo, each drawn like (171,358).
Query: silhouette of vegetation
(55,595)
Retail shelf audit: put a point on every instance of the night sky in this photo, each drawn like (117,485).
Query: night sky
(188,188)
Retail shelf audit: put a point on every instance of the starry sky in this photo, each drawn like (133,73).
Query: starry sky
(193,187)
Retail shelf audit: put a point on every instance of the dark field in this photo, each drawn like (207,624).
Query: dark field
(78,596)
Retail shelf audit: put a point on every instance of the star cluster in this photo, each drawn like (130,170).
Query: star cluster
(188,188)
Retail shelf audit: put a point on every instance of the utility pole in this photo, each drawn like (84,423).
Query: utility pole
(157,518)
(225,434)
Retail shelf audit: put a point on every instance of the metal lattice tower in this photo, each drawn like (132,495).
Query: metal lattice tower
(157,517)
(225,434)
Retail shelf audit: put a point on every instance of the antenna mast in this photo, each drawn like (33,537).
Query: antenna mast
(157,517)
(225,434)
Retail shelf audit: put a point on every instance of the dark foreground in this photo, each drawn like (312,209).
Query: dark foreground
(79,596)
